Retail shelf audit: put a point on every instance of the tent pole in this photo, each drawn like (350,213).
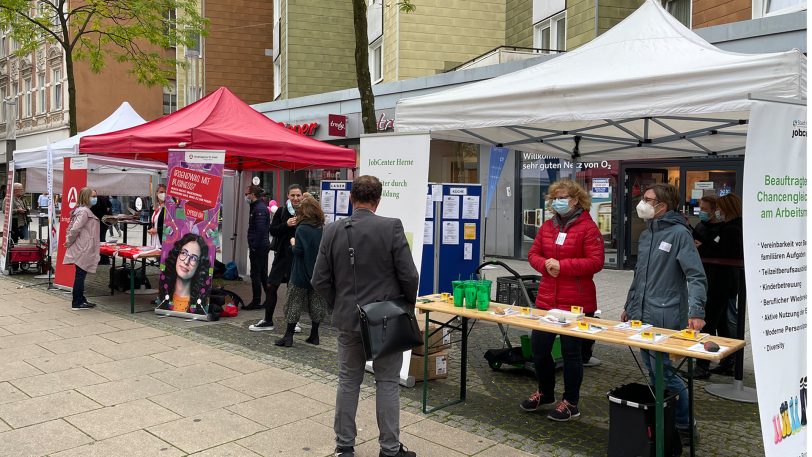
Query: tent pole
(237,182)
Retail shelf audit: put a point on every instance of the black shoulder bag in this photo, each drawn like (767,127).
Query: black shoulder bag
(387,327)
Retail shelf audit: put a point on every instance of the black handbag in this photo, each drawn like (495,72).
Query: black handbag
(387,327)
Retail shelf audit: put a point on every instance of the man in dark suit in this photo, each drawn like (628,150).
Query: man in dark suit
(384,269)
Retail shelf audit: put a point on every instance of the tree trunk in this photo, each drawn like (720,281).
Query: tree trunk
(71,93)
(359,12)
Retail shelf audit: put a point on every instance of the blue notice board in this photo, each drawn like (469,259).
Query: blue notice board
(460,232)
(335,200)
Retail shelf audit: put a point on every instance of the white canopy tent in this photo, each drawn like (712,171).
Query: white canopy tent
(109,176)
(647,88)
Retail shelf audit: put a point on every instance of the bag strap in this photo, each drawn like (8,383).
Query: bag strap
(347,227)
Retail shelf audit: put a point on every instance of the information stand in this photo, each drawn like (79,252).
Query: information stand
(335,200)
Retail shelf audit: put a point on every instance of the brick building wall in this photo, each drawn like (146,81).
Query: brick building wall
(716,12)
(239,33)
(519,23)
(580,22)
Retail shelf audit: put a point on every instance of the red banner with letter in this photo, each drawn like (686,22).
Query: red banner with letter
(74,178)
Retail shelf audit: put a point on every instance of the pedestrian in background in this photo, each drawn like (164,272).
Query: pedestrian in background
(259,222)
(155,229)
(19,213)
(385,269)
(82,243)
(706,234)
(100,208)
(568,252)
(115,210)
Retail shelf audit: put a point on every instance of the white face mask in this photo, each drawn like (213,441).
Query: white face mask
(645,210)
(161,196)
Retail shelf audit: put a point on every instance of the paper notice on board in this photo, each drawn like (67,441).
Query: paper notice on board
(437,192)
(468,251)
(428,233)
(451,207)
(328,198)
(469,231)
(343,202)
(696,194)
(470,207)
(329,217)
(429,207)
(451,232)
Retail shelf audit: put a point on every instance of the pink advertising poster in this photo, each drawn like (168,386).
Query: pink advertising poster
(191,233)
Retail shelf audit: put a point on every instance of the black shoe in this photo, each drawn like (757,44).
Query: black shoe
(402,452)
(82,306)
(342,451)
(314,340)
(723,370)
(536,401)
(91,305)
(285,341)
(251,306)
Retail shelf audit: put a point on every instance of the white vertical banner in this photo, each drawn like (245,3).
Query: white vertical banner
(401,162)
(8,204)
(775,239)
(53,223)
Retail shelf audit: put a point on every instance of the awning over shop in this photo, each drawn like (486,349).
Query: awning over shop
(221,121)
(647,88)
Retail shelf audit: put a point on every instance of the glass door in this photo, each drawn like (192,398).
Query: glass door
(714,179)
(637,180)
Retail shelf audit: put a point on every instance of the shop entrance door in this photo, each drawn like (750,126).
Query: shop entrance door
(637,180)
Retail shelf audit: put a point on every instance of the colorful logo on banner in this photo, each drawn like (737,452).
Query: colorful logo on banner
(191,234)
(497,162)
(74,178)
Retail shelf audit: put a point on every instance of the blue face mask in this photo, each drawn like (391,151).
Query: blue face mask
(93,201)
(561,205)
(704,216)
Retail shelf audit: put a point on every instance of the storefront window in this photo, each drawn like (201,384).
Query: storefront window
(701,183)
(600,179)
(536,173)
(453,162)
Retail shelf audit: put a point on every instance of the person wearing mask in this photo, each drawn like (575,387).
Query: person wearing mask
(259,221)
(301,296)
(19,213)
(705,232)
(384,261)
(155,229)
(568,252)
(82,243)
(283,228)
(100,208)
(669,286)
(115,210)
(722,309)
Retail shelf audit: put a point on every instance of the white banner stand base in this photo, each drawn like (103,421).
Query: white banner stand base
(46,276)
(405,379)
(736,392)
(192,316)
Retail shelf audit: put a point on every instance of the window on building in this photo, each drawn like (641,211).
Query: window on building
(3,43)
(13,44)
(56,86)
(169,27)
(680,9)
(27,99)
(376,61)
(170,101)
(775,7)
(15,95)
(550,35)
(3,107)
(41,93)
(277,78)
(195,46)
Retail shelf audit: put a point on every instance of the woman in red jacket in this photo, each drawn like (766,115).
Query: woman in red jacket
(568,251)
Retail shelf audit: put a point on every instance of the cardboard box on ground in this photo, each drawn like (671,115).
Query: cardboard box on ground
(438,340)
(438,366)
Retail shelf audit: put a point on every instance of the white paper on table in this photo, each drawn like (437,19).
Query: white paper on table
(329,217)
(470,207)
(428,232)
(328,198)
(657,338)
(343,202)
(451,232)
(429,207)
(437,192)
(700,347)
(468,251)
(628,326)
(592,329)
(451,206)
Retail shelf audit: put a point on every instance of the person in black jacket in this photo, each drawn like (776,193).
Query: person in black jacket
(301,296)
(721,311)
(101,207)
(283,228)
(259,221)
(706,234)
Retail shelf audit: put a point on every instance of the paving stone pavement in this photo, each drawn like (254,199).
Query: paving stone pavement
(240,393)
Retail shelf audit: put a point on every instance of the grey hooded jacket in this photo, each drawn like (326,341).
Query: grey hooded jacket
(669,282)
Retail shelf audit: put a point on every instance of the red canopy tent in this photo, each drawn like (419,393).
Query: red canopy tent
(221,121)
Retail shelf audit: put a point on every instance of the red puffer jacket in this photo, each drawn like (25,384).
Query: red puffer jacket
(580,256)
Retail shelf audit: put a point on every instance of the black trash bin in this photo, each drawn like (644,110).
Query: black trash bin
(632,422)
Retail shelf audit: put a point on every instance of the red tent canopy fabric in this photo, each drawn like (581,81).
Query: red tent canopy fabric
(221,121)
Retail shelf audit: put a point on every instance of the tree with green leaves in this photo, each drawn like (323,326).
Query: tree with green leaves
(137,32)
(359,13)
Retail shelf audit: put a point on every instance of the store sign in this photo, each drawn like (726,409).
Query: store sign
(385,124)
(600,187)
(337,125)
(308,129)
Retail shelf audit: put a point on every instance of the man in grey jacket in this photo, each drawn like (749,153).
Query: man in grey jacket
(384,269)
(669,286)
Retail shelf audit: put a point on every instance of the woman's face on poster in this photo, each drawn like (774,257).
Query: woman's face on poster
(188,259)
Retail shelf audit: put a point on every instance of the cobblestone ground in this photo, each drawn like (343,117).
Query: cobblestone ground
(727,428)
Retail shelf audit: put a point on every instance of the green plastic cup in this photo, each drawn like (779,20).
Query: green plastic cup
(470,294)
(483,295)
(458,287)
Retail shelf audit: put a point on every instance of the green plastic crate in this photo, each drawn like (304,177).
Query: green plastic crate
(527,350)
